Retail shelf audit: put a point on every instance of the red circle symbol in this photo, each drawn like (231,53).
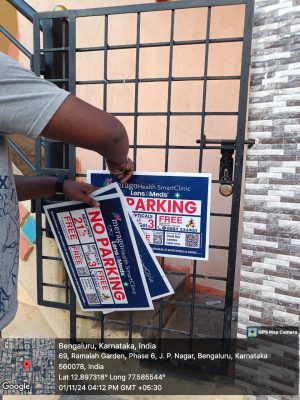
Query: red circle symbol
(26,364)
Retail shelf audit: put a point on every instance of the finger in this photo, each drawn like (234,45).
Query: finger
(90,189)
(129,172)
(88,200)
(95,203)
(126,177)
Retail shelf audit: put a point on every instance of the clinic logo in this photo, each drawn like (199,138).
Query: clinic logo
(251,332)
(116,216)
(107,182)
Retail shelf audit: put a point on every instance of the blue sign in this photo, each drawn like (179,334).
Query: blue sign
(157,281)
(100,254)
(173,210)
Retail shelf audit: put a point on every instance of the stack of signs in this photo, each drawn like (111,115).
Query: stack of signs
(109,262)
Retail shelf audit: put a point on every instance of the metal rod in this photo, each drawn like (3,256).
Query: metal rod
(130,326)
(202,134)
(201,276)
(102,326)
(54,304)
(155,44)
(238,171)
(72,55)
(136,85)
(38,202)
(163,114)
(15,42)
(151,80)
(19,152)
(54,285)
(166,147)
(218,247)
(148,7)
(72,153)
(214,214)
(105,76)
(105,72)
(169,91)
(52,258)
(249,142)
(177,147)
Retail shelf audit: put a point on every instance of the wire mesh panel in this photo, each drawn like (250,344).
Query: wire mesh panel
(176,75)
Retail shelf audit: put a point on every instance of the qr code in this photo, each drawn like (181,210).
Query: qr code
(192,240)
(82,271)
(158,238)
(92,298)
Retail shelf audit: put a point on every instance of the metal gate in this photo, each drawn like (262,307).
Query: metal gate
(66,50)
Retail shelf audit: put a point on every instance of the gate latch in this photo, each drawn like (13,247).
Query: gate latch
(226,169)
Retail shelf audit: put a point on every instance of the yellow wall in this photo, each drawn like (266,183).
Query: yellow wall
(8,19)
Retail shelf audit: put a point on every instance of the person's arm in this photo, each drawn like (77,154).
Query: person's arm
(77,122)
(33,187)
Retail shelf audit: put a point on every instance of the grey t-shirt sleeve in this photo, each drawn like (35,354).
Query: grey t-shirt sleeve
(27,103)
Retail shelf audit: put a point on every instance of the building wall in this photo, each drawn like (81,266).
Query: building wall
(8,18)
(270,285)
(270,270)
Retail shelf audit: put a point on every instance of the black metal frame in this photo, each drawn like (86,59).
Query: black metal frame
(67,50)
